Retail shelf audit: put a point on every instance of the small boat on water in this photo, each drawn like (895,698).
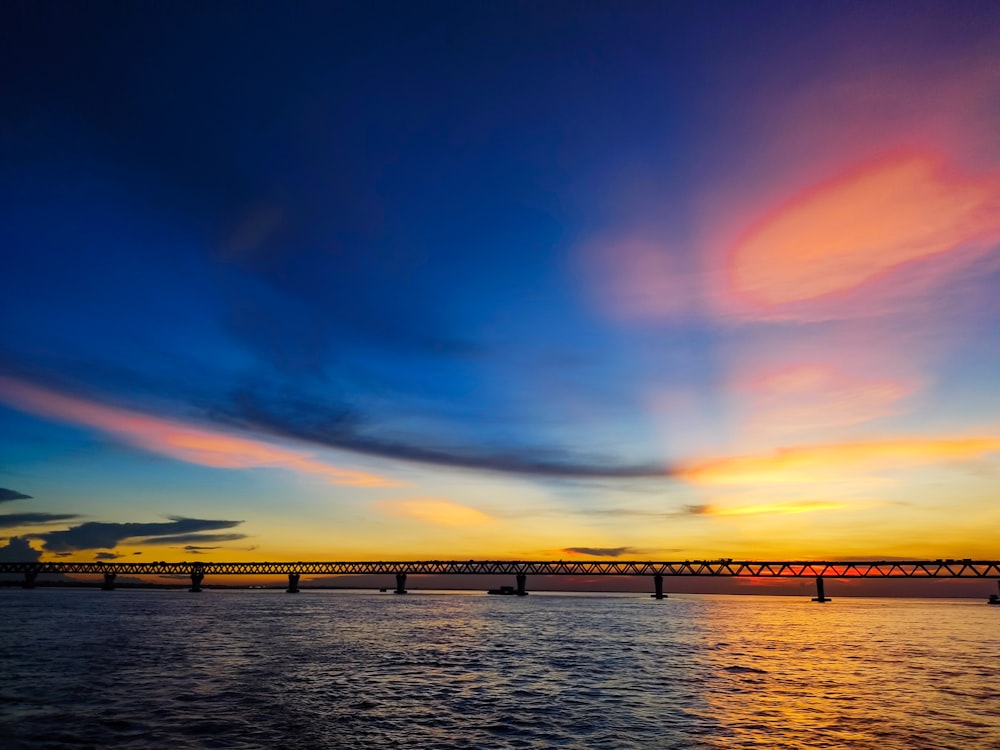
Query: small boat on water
(505,591)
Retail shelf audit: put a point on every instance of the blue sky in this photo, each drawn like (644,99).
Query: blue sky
(678,279)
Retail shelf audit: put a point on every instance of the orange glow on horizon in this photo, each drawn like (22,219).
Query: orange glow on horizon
(434,510)
(778,508)
(179,440)
(815,463)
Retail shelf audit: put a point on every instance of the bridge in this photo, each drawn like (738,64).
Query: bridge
(521,569)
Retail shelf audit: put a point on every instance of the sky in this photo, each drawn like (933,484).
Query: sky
(561,280)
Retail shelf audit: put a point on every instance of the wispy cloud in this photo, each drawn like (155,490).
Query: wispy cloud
(769,509)
(8,495)
(816,396)
(602,551)
(844,233)
(179,440)
(15,520)
(97,535)
(307,422)
(181,538)
(684,510)
(820,462)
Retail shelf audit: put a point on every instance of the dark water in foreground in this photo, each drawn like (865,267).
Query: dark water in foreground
(262,669)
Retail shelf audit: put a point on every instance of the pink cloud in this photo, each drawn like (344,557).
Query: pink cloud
(860,226)
(816,397)
(635,278)
(176,439)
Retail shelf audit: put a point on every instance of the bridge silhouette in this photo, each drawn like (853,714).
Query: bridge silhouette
(521,569)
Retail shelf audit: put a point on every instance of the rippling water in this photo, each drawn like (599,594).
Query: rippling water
(261,669)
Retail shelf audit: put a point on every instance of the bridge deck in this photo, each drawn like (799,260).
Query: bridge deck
(725,568)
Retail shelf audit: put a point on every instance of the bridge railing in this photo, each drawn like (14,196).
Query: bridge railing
(967,568)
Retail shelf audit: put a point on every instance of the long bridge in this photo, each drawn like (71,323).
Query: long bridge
(521,569)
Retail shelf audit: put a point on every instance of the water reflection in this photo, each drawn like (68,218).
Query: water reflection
(326,670)
(860,673)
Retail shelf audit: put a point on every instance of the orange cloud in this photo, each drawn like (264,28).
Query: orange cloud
(818,463)
(434,510)
(176,439)
(842,234)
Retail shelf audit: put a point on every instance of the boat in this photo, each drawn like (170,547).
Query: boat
(505,591)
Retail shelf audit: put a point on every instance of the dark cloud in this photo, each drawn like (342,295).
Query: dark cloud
(196,550)
(7,495)
(19,549)
(97,535)
(339,429)
(106,556)
(13,520)
(181,538)
(602,551)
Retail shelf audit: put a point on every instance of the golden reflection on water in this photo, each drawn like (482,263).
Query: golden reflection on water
(797,674)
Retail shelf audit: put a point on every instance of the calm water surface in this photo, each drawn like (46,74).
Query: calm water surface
(262,669)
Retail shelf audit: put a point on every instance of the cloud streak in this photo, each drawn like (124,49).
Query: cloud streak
(299,421)
(16,520)
(7,495)
(771,509)
(816,396)
(176,439)
(602,551)
(842,234)
(98,535)
(818,462)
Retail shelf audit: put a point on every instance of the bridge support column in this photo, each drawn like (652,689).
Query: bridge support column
(521,580)
(400,583)
(29,579)
(109,582)
(197,576)
(819,591)
(994,599)
(658,583)
(293,583)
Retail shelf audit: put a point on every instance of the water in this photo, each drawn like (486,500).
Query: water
(262,669)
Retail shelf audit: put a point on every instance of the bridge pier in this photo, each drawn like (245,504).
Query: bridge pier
(994,599)
(29,579)
(400,583)
(819,591)
(293,583)
(521,580)
(658,583)
(197,576)
(109,582)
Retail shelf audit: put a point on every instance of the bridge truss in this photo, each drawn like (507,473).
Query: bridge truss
(721,568)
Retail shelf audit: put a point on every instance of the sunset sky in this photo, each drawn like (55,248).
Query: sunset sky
(642,280)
